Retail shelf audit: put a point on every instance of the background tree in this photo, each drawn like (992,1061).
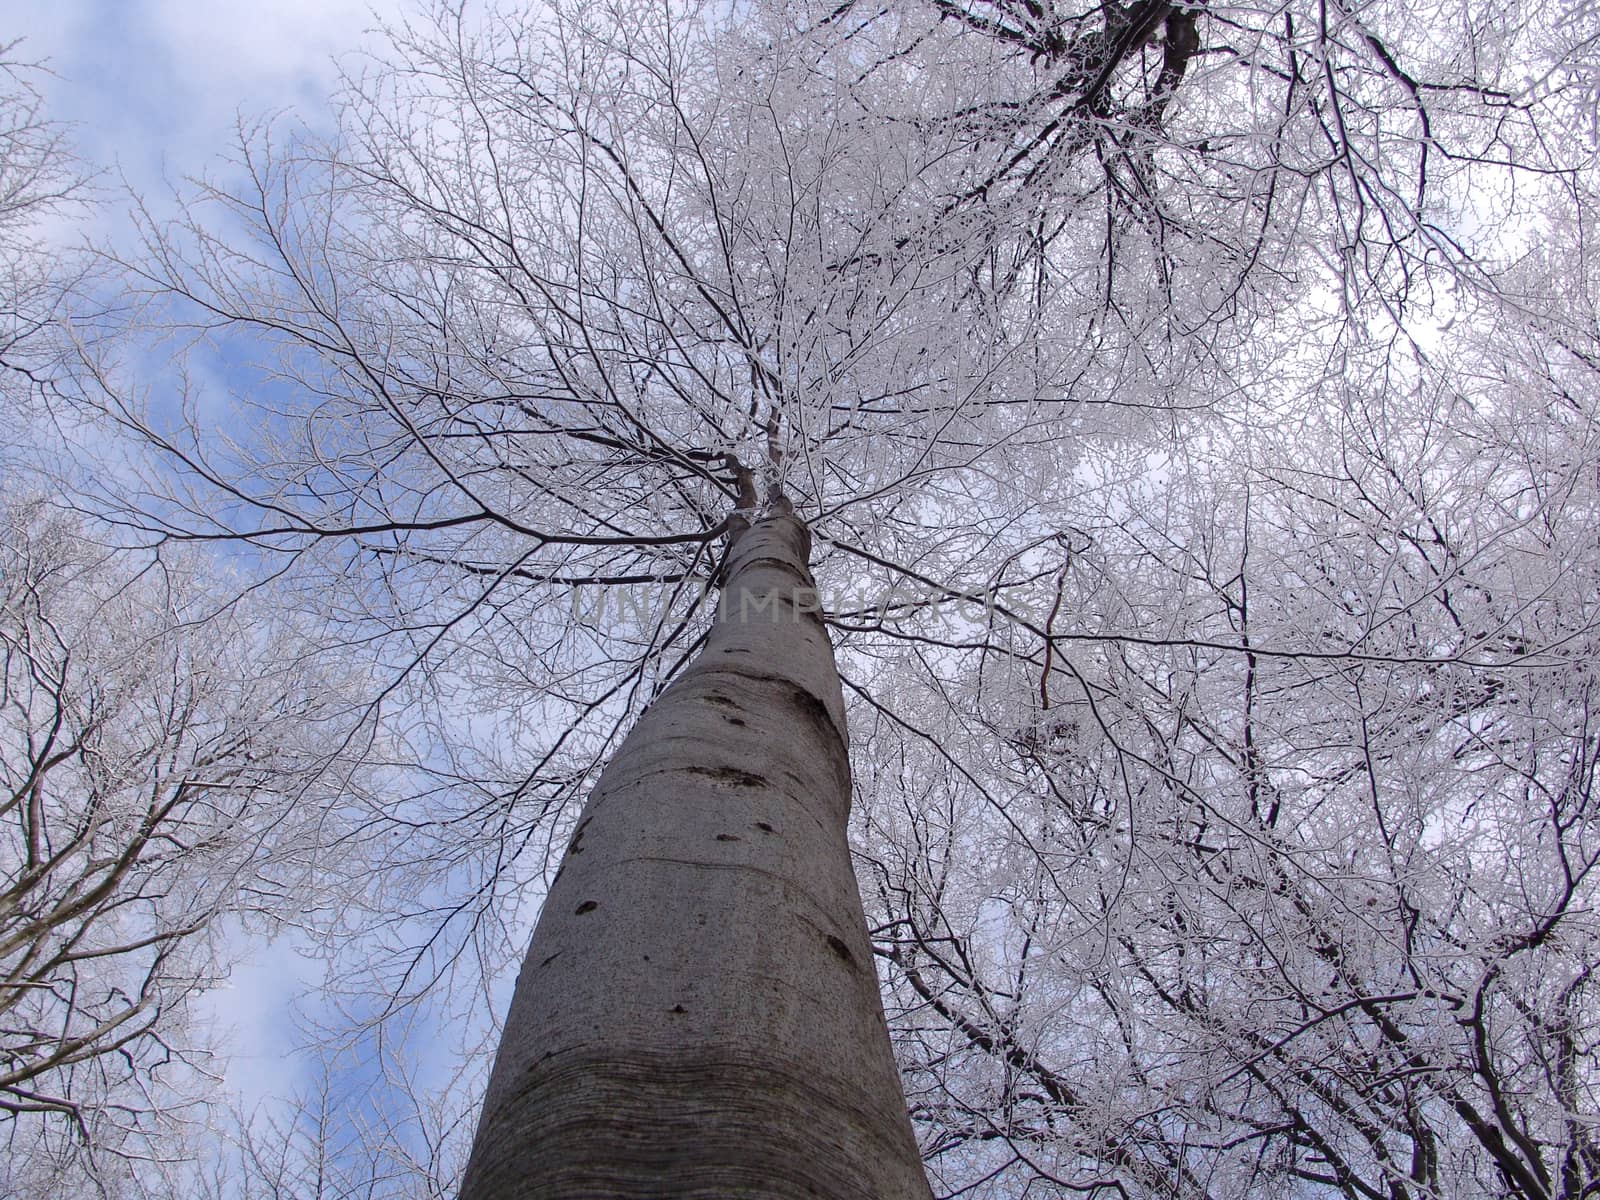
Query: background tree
(1310,885)
(173,759)
(165,766)
(40,182)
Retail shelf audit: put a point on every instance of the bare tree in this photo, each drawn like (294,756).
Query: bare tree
(1182,593)
(329,1142)
(1301,864)
(699,1013)
(40,181)
(169,755)
(164,764)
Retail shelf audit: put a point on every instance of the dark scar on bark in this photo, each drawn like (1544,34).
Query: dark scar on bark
(730,775)
(587,906)
(815,709)
(577,836)
(843,951)
(809,706)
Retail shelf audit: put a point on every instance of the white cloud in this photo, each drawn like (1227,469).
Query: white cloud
(253,1015)
(265,55)
(156,87)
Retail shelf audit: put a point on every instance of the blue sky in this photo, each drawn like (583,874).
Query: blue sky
(154,88)
(153,91)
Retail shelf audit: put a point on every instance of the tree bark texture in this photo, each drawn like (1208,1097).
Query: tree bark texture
(698,1014)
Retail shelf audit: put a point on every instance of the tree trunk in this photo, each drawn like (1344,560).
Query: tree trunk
(698,1014)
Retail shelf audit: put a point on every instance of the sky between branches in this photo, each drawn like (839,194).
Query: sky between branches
(153,91)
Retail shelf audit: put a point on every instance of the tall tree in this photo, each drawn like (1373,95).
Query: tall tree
(699,1012)
(1097,351)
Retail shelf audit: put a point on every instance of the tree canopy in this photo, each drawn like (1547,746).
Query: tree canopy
(1194,410)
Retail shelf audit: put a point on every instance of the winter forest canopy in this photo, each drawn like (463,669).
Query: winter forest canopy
(1196,412)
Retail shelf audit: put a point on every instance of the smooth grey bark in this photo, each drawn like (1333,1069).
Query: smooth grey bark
(698,1014)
